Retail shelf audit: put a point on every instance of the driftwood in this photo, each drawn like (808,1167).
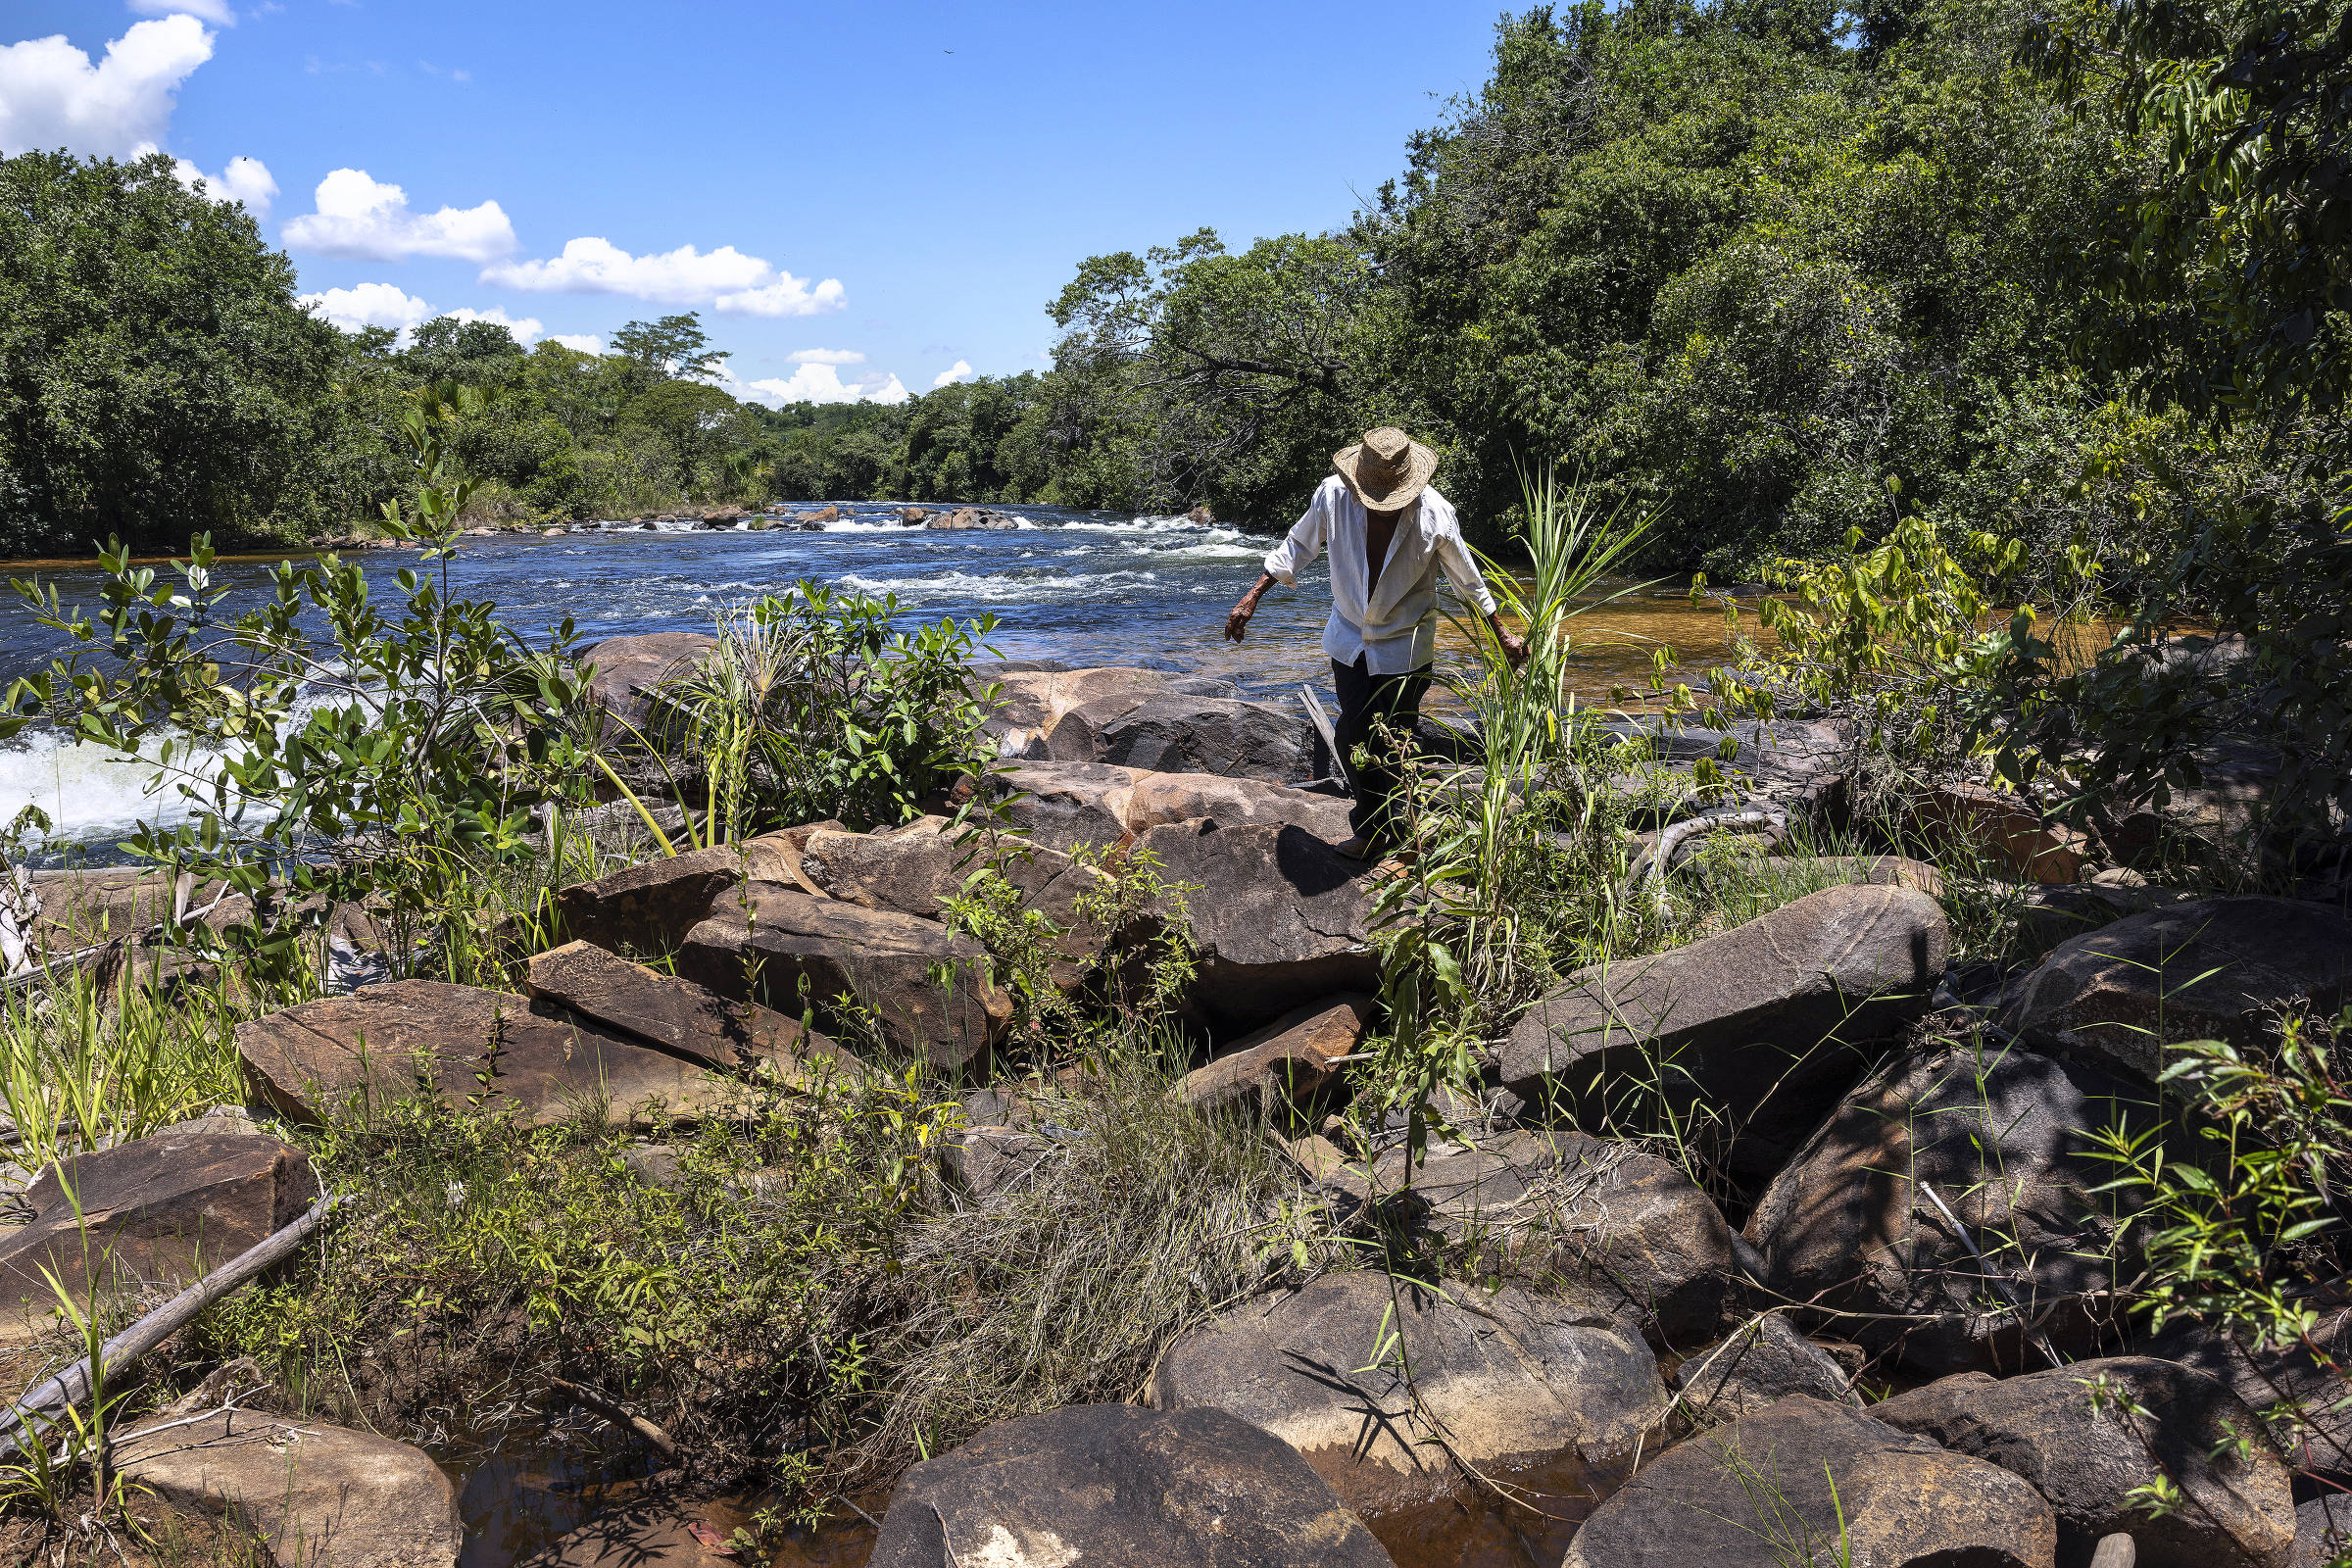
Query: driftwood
(1331,742)
(46,1401)
(1650,868)
(616,1413)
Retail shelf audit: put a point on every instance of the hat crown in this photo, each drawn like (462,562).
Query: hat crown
(1387,449)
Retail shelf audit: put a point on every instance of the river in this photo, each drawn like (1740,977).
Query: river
(1091,588)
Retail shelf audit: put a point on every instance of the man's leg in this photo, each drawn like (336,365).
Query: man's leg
(1365,701)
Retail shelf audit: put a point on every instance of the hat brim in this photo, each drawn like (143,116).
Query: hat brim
(1421,466)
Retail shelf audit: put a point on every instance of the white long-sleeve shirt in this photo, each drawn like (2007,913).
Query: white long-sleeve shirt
(1396,630)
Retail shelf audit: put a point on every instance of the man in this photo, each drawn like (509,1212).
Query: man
(1389,533)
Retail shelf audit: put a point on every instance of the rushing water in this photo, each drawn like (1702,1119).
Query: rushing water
(1091,588)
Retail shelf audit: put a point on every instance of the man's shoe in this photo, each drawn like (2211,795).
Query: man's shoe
(1358,848)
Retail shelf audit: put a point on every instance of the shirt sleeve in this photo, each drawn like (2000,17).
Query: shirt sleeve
(1461,568)
(1305,542)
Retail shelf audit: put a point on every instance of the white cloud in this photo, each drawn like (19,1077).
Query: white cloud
(826,357)
(528,329)
(961,371)
(215,12)
(815,382)
(724,278)
(245,179)
(368,304)
(367,219)
(579,342)
(52,96)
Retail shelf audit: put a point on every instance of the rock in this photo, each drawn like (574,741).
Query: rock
(852,959)
(1765,1024)
(631,671)
(2007,1140)
(1179,734)
(1029,702)
(1113,1484)
(2316,1432)
(1063,806)
(1760,1361)
(385,1041)
(913,869)
(913,514)
(656,1531)
(678,1016)
(817,518)
(2323,1531)
(2009,833)
(322,1496)
(2071,1432)
(649,907)
(963,517)
(1507,1381)
(1757,1493)
(1618,1226)
(2216,968)
(552,533)
(1870,870)
(1280,915)
(158,1210)
(1201,517)
(1162,798)
(82,908)
(1287,1061)
(2047,916)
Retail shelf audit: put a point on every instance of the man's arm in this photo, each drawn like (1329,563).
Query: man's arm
(1471,584)
(1238,624)
(1296,551)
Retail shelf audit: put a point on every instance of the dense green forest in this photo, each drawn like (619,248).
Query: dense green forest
(1784,270)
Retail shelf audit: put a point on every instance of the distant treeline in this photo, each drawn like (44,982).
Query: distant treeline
(1784,270)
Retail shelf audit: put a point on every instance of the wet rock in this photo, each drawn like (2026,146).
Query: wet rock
(1760,1361)
(968,517)
(385,1042)
(852,960)
(1505,1381)
(1758,1494)
(2072,1433)
(678,1016)
(2006,1139)
(913,514)
(648,908)
(1279,917)
(1176,734)
(2216,968)
(1064,806)
(1617,1226)
(1288,1060)
(1764,1025)
(158,1211)
(631,670)
(322,1496)
(1162,798)
(1116,1484)
(1201,517)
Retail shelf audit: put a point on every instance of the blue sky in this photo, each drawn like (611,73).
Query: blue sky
(874,194)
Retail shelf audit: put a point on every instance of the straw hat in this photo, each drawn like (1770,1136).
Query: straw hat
(1386,470)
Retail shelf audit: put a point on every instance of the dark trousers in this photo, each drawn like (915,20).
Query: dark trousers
(1365,700)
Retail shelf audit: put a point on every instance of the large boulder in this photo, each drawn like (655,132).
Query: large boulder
(675,1015)
(859,966)
(385,1042)
(2216,968)
(159,1212)
(1162,798)
(1618,1227)
(321,1496)
(2300,1388)
(1501,1381)
(2323,1531)
(1808,1482)
(1113,1484)
(2088,1434)
(1762,1027)
(631,670)
(2008,1140)
(1761,1360)
(648,908)
(1289,1060)
(1179,734)
(1063,806)
(1277,916)
(915,868)
(1031,698)
(2004,831)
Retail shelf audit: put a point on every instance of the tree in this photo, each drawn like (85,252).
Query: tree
(157,377)
(673,346)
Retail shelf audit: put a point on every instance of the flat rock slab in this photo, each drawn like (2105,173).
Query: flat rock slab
(1116,1484)
(856,964)
(914,869)
(1758,1493)
(686,1020)
(1031,702)
(2007,1140)
(322,1496)
(1762,1027)
(1064,806)
(159,1212)
(1179,734)
(2216,968)
(1277,916)
(1505,1381)
(385,1041)
(2073,1432)
(1289,1060)
(1620,1227)
(1160,798)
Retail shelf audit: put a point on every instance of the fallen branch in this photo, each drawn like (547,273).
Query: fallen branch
(49,1400)
(1651,864)
(620,1415)
(2034,1336)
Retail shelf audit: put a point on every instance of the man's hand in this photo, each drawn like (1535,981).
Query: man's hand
(1514,645)
(1237,624)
